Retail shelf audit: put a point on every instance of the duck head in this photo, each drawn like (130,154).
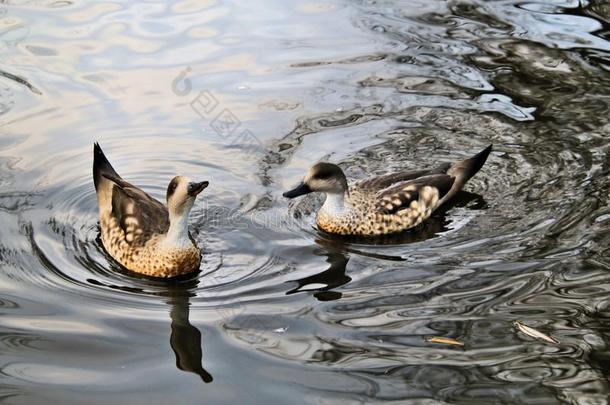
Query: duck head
(181,195)
(324,177)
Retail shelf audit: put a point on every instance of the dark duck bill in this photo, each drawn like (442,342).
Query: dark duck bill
(196,188)
(299,190)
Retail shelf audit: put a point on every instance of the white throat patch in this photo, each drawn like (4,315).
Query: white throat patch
(178,233)
(334,205)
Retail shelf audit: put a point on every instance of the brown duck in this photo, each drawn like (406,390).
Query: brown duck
(384,204)
(138,231)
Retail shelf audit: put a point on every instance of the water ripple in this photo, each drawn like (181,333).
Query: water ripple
(374,86)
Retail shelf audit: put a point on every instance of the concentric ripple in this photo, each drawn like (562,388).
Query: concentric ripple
(248,95)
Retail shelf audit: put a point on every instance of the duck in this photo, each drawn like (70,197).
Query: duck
(141,233)
(385,204)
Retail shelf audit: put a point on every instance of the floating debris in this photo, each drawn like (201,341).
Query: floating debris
(534,333)
(444,340)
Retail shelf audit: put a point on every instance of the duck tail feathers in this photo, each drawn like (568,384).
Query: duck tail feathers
(101,165)
(465,169)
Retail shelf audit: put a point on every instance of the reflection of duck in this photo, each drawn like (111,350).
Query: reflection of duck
(325,281)
(185,339)
(138,231)
(384,204)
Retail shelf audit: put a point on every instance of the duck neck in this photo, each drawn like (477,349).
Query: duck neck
(334,204)
(178,233)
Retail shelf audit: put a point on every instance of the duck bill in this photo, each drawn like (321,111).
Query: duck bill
(301,189)
(196,188)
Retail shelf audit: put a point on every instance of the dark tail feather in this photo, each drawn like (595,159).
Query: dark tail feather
(101,165)
(465,169)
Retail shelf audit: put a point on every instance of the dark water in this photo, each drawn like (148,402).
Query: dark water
(279,311)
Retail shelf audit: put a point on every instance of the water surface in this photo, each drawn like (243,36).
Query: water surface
(248,95)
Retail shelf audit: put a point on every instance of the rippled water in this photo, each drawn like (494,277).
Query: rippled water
(279,311)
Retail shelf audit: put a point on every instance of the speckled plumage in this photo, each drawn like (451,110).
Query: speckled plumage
(134,226)
(385,204)
(147,257)
(370,213)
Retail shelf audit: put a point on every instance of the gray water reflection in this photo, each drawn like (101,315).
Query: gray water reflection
(324,282)
(185,338)
(281,312)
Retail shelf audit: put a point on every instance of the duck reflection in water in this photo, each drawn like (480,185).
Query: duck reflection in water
(330,278)
(185,339)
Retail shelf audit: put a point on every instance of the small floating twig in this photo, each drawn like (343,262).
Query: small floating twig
(444,340)
(534,333)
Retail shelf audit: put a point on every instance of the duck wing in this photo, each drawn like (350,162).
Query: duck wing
(138,214)
(387,180)
(400,195)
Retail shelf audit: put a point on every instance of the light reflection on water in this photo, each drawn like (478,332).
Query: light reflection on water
(281,311)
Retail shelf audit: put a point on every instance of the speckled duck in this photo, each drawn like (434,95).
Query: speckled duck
(384,204)
(138,231)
